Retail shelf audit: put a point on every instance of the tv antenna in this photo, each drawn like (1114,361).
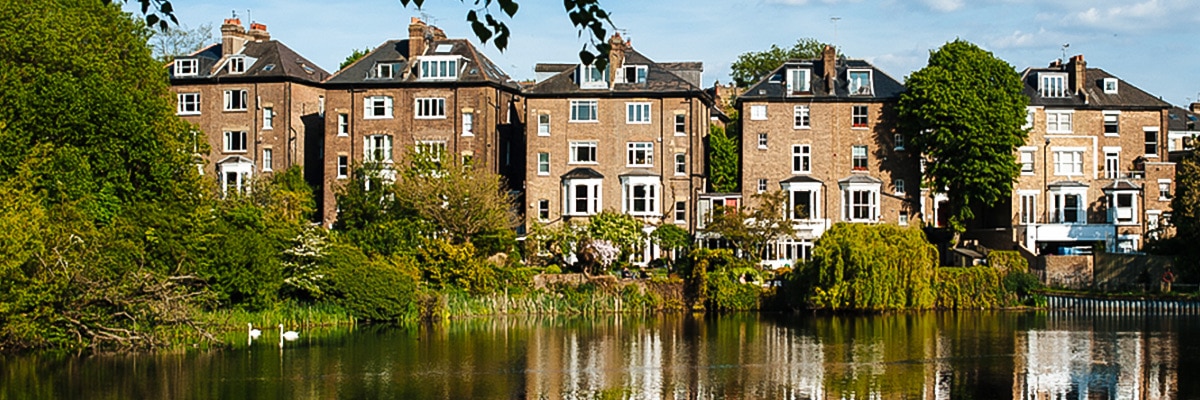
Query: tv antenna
(1064,52)
(835,20)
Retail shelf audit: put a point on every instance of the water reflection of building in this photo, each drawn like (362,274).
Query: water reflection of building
(1076,364)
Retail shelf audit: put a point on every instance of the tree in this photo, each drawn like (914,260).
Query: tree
(868,267)
(179,40)
(459,200)
(751,229)
(1185,214)
(354,56)
(753,66)
(586,15)
(722,160)
(963,112)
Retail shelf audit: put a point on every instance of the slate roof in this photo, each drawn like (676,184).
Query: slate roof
(774,85)
(1093,97)
(582,173)
(1179,119)
(265,60)
(801,179)
(661,79)
(1121,184)
(1067,183)
(476,67)
(860,178)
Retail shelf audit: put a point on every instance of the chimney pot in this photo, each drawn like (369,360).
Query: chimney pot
(829,65)
(1196,107)
(416,38)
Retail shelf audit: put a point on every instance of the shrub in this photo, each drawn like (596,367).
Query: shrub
(377,290)
(867,267)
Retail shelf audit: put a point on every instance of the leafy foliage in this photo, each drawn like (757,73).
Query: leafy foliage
(751,67)
(460,201)
(382,289)
(870,268)
(751,229)
(179,41)
(716,280)
(1185,216)
(354,56)
(723,156)
(964,112)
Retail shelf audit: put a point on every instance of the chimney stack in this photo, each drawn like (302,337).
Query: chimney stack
(1195,107)
(1077,71)
(233,37)
(416,37)
(829,66)
(258,32)
(616,57)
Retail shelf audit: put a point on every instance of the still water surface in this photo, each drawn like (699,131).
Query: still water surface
(976,355)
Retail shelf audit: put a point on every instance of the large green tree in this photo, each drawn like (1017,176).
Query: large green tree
(723,155)
(750,229)
(752,66)
(1185,215)
(963,112)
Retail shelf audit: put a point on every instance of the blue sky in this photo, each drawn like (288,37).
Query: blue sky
(1152,44)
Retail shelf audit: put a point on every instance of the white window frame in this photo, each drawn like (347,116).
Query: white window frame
(758,112)
(680,164)
(680,212)
(852,203)
(1059,121)
(802,117)
(762,140)
(680,124)
(1164,195)
(858,88)
(188,103)
(898,187)
(592,199)
(651,187)
(429,108)
(1026,159)
(435,147)
(801,159)
(814,195)
(434,68)
(902,220)
(639,73)
(343,166)
(591,77)
(241,172)
(1123,215)
(1058,203)
(1030,112)
(639,154)
(1062,161)
(234,139)
(1146,132)
(237,65)
(543,124)
(575,146)
(343,121)
(1110,86)
(762,185)
(468,123)
(855,157)
(268,159)
(268,118)
(372,105)
(1112,162)
(235,98)
(799,81)
(898,141)
(637,113)
(1115,117)
(1028,207)
(543,210)
(858,111)
(1052,84)
(543,164)
(591,106)
(187,67)
(377,148)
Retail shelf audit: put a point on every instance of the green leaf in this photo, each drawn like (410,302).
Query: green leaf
(509,7)
(586,56)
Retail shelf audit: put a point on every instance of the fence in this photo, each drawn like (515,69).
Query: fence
(1124,306)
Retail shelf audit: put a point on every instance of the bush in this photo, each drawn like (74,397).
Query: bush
(376,290)
(970,288)
(867,267)
(713,280)
(553,269)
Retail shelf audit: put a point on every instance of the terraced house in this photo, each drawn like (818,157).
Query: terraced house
(627,138)
(422,93)
(822,131)
(257,104)
(1095,168)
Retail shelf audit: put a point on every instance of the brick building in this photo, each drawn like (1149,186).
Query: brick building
(822,131)
(1095,167)
(425,92)
(627,138)
(257,105)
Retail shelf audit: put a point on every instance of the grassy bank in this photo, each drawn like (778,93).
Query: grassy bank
(289,314)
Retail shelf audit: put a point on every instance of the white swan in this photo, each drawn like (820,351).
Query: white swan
(289,335)
(254,333)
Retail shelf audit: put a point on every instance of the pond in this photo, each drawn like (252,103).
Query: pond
(980,355)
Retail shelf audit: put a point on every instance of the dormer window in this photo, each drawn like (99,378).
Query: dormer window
(798,81)
(591,77)
(187,67)
(635,73)
(439,67)
(860,82)
(383,70)
(1110,85)
(237,65)
(1053,84)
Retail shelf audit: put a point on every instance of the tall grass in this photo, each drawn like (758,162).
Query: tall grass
(289,314)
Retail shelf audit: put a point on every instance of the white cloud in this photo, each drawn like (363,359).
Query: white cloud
(1019,39)
(944,5)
